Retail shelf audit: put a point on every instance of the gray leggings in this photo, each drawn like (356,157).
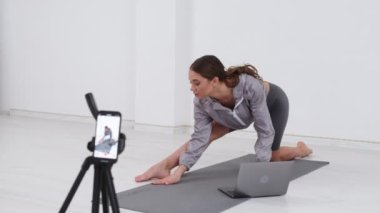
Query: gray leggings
(278,106)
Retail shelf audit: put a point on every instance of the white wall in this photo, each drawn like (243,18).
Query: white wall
(163,55)
(322,53)
(53,52)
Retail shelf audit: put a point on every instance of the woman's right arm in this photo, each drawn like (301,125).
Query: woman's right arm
(199,139)
(194,149)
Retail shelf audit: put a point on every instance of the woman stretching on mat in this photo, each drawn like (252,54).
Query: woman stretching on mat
(226,101)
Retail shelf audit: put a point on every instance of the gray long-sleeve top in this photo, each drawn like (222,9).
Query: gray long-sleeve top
(250,106)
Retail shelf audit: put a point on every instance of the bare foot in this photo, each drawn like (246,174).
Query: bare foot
(157,171)
(304,150)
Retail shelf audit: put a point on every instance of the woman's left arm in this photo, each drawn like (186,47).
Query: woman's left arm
(262,120)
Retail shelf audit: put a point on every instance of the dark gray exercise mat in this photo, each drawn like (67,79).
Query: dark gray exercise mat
(198,190)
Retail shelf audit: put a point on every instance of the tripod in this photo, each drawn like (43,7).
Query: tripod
(103,180)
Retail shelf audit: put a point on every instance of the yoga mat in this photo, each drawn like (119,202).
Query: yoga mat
(198,190)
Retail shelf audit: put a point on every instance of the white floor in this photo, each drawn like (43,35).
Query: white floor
(40,159)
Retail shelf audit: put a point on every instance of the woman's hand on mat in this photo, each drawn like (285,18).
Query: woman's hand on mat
(173,178)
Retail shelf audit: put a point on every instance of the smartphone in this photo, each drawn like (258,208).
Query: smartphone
(107,135)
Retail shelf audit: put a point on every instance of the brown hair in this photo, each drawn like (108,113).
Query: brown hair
(209,66)
(234,72)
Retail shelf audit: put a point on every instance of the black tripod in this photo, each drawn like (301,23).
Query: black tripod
(103,180)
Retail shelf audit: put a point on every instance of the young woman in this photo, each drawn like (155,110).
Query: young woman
(226,101)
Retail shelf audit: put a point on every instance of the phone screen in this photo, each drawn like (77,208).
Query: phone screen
(107,135)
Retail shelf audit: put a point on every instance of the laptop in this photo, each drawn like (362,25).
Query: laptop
(261,179)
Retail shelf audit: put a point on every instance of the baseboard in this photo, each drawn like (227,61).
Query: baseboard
(334,139)
(61,117)
(4,112)
(163,129)
(50,116)
(129,124)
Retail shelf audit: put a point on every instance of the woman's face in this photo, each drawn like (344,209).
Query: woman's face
(200,86)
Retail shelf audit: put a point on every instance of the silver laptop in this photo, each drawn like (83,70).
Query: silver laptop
(261,179)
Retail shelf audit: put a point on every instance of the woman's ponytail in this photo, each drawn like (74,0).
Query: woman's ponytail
(233,73)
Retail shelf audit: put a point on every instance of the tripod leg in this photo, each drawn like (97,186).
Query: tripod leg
(104,192)
(86,164)
(111,191)
(96,189)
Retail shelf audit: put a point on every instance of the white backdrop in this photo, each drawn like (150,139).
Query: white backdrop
(133,55)
(53,52)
